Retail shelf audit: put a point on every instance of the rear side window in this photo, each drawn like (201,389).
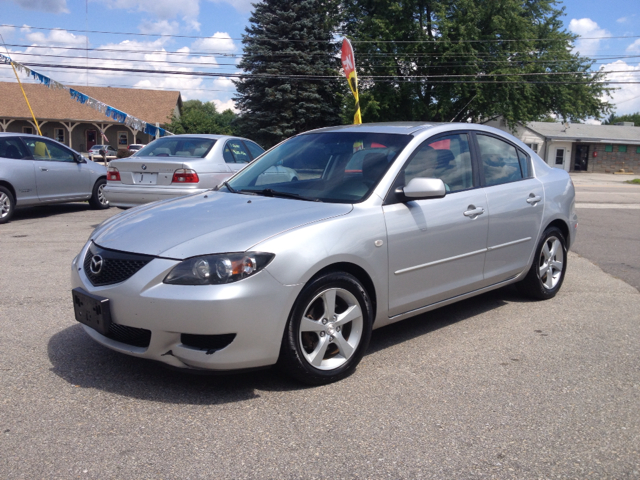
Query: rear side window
(499,160)
(13,148)
(235,152)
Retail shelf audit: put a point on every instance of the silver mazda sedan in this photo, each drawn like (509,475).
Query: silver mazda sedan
(39,171)
(383,222)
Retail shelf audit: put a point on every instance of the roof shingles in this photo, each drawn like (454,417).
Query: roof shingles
(49,104)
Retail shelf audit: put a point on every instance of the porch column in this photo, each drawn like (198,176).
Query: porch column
(70,128)
(5,124)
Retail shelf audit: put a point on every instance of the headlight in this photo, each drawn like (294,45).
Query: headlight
(217,269)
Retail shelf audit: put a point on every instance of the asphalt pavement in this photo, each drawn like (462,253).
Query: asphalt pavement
(609,223)
(492,387)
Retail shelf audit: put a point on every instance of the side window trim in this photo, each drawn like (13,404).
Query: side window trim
(26,149)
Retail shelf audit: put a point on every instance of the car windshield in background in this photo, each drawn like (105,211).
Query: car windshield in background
(338,167)
(177,147)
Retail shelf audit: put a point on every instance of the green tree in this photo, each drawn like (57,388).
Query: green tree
(199,117)
(287,38)
(631,117)
(459,60)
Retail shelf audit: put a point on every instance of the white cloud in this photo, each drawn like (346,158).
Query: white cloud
(161,27)
(55,37)
(50,6)
(219,42)
(622,19)
(587,28)
(592,121)
(243,6)
(162,9)
(634,47)
(626,97)
(222,106)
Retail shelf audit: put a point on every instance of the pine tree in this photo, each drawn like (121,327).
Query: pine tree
(288,38)
(475,52)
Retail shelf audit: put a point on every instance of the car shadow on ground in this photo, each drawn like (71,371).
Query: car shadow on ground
(43,211)
(83,363)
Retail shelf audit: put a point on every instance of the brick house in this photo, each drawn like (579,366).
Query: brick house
(80,127)
(579,147)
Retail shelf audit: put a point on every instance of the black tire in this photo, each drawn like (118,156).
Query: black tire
(298,346)
(546,285)
(98,201)
(7,205)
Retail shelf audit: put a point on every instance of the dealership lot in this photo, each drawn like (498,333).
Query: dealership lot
(495,386)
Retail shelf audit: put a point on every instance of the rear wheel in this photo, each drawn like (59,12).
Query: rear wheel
(7,205)
(549,266)
(328,331)
(98,199)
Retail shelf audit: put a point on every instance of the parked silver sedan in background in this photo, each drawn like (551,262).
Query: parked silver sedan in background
(38,171)
(383,222)
(177,165)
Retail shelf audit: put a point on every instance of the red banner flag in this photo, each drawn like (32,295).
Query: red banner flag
(349,67)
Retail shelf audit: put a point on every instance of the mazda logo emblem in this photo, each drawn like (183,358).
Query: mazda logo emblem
(96,264)
(144,167)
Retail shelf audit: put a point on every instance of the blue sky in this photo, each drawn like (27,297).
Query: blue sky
(214,21)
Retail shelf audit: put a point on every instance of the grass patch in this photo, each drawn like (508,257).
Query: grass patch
(635,181)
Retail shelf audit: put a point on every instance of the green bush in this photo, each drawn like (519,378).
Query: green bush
(124,153)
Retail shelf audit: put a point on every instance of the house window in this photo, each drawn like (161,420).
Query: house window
(28,130)
(123,139)
(58,134)
(532,146)
(560,156)
(622,148)
(608,148)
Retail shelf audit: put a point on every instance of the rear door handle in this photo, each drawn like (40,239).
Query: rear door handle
(533,199)
(473,212)
(44,169)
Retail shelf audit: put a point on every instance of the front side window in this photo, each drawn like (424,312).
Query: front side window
(499,160)
(446,158)
(338,167)
(46,150)
(176,146)
(13,148)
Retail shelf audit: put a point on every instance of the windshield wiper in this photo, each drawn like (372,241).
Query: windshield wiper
(229,187)
(269,192)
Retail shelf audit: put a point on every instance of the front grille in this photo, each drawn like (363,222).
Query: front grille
(116,266)
(210,343)
(137,337)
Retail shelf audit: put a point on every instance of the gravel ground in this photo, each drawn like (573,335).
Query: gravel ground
(493,387)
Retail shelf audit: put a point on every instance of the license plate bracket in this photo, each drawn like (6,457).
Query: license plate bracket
(92,310)
(143,178)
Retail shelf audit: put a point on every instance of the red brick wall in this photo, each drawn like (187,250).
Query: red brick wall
(609,162)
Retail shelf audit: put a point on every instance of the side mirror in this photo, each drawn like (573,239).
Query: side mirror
(80,159)
(420,187)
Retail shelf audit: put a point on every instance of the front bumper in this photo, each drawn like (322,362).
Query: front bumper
(134,195)
(254,309)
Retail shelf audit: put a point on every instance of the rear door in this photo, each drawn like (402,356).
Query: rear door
(58,174)
(515,202)
(16,167)
(236,155)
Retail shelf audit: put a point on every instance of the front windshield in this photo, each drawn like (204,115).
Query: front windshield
(177,146)
(340,167)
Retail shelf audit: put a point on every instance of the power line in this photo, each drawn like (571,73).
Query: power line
(499,40)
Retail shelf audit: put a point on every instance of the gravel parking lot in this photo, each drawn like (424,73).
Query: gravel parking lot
(493,387)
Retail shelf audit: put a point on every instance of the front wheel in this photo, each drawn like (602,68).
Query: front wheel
(328,330)
(549,266)
(98,199)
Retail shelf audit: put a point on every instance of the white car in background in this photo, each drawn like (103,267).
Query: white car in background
(178,165)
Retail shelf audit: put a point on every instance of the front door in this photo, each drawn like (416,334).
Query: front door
(558,161)
(92,138)
(581,158)
(437,246)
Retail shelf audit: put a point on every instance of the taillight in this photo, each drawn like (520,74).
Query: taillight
(113,175)
(185,175)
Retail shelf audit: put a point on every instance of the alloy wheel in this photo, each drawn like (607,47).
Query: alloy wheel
(101,196)
(551,262)
(5,205)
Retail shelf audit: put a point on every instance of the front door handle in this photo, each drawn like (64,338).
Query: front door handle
(473,212)
(44,169)
(533,199)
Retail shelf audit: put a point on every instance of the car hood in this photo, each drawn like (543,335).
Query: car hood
(212,222)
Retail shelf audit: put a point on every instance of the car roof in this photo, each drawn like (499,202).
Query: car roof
(403,128)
